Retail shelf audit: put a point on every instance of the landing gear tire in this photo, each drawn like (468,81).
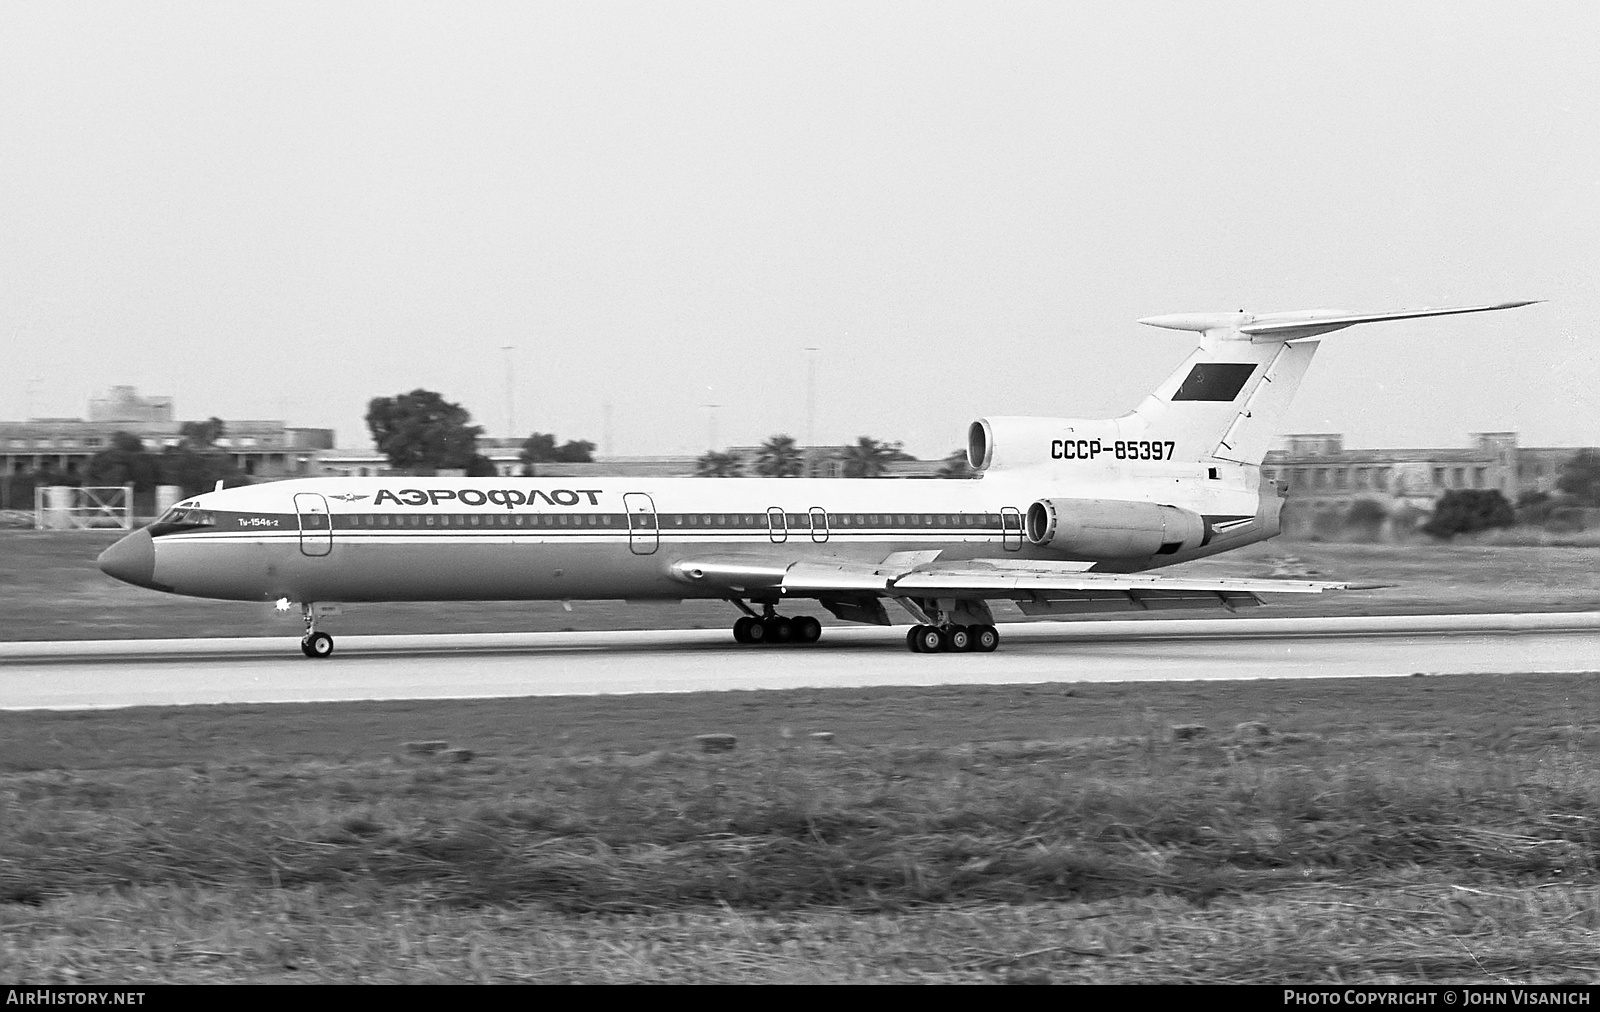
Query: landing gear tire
(317,645)
(741,630)
(777,629)
(985,638)
(958,639)
(807,629)
(927,639)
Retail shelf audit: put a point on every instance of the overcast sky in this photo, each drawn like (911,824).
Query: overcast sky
(278,209)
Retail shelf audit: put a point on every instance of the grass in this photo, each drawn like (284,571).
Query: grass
(1424,829)
(52,590)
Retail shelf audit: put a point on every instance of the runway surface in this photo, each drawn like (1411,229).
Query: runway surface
(99,674)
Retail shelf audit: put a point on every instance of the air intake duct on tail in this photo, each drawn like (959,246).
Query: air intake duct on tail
(1111,529)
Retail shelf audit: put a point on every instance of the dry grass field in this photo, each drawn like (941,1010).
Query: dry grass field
(1333,831)
(1419,829)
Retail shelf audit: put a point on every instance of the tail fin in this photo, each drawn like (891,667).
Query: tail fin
(1228,399)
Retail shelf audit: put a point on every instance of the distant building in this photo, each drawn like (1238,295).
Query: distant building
(1324,478)
(263,448)
(123,404)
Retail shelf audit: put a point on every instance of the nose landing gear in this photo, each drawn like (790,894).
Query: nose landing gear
(315,645)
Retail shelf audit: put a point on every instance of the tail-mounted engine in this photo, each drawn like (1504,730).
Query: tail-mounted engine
(1021,441)
(1109,529)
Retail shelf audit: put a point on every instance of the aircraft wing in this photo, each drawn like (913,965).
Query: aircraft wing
(1038,587)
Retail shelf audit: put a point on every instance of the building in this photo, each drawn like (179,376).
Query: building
(123,404)
(263,448)
(1324,478)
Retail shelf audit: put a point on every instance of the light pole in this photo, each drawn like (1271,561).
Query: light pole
(711,425)
(811,394)
(511,412)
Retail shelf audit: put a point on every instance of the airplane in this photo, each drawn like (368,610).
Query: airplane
(1068,516)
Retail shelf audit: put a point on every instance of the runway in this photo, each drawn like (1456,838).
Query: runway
(120,673)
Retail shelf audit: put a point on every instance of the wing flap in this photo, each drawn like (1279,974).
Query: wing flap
(819,578)
(975,580)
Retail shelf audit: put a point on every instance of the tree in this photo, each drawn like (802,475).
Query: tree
(1535,508)
(779,457)
(871,459)
(202,436)
(541,448)
(1366,517)
(719,465)
(197,472)
(956,466)
(422,432)
(124,462)
(1580,478)
(1463,511)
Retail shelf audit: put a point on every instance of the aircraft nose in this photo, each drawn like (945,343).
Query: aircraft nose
(131,560)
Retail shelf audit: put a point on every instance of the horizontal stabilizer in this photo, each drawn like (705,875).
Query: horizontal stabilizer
(1304,323)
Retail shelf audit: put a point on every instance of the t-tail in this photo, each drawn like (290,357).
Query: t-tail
(1228,399)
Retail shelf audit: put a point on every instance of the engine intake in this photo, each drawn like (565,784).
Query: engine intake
(1112,529)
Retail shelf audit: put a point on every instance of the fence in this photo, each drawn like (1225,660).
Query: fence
(91,507)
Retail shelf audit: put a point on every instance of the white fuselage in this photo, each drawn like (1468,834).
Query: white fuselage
(415,538)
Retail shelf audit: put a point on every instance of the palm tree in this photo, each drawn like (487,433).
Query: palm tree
(719,465)
(780,458)
(871,459)
(956,466)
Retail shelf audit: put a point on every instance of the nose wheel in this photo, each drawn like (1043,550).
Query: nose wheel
(315,645)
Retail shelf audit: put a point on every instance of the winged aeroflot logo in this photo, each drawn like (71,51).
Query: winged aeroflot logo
(348,497)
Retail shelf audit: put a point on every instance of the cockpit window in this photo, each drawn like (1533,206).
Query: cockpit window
(182,518)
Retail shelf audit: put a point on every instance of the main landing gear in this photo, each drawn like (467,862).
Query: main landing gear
(774,628)
(315,645)
(932,639)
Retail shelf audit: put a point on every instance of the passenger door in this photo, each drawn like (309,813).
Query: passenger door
(1011,528)
(644,530)
(819,524)
(316,523)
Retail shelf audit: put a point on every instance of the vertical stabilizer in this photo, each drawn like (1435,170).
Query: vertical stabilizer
(1228,399)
